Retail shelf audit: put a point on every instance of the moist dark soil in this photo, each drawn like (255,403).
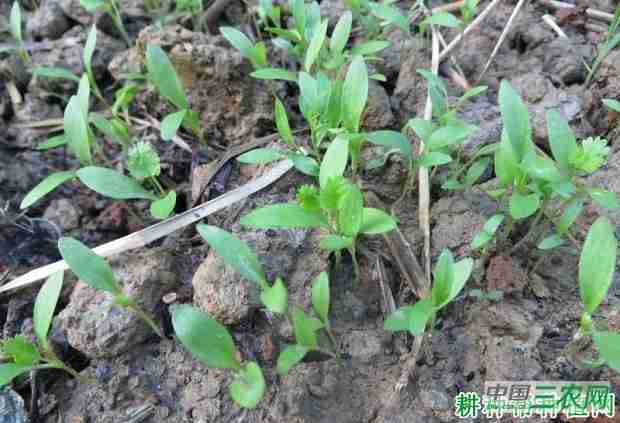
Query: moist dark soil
(132,376)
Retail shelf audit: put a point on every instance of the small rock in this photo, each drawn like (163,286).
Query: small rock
(49,21)
(63,213)
(11,407)
(96,327)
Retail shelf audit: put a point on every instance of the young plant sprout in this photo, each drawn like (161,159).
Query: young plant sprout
(24,355)
(449,280)
(95,272)
(336,207)
(211,343)
(15,26)
(274,297)
(111,8)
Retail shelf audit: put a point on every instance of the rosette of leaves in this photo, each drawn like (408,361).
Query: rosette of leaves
(24,355)
(449,278)
(336,207)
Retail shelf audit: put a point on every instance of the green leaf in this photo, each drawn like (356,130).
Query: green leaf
(606,199)
(392,139)
(90,268)
(47,185)
(275,297)
(248,387)
(375,221)
(89,50)
(350,212)
(443,277)
(114,129)
(291,355)
(52,142)
(9,371)
(335,243)
(550,242)
(283,216)
(44,307)
(476,170)
(561,138)
(390,14)
(76,131)
(284,128)
(309,103)
(15,22)
(422,128)
(22,351)
(608,346)
(299,15)
(320,297)
(488,231)
(260,156)
(506,164)
(539,167)
(432,159)
(305,330)
(83,95)
(204,337)
(472,92)
(162,208)
(316,43)
(274,73)
(143,161)
(93,5)
(335,160)
(570,214)
(54,72)
(591,155)
(171,124)
(305,164)
(164,77)
(412,318)
(462,271)
(444,19)
(341,34)
(238,40)
(612,104)
(516,120)
(112,184)
(369,47)
(522,206)
(449,135)
(234,252)
(356,88)
(597,263)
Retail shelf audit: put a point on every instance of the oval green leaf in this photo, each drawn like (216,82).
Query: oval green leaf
(47,185)
(291,355)
(283,216)
(249,386)
(44,307)
(112,184)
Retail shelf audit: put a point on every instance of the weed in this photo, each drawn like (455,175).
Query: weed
(15,26)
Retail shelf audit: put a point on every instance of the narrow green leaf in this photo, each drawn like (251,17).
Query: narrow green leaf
(443,278)
(235,253)
(112,184)
(283,216)
(249,386)
(444,19)
(356,88)
(570,214)
(204,337)
(369,47)
(412,318)
(422,128)
(171,124)
(275,297)
(164,77)
(238,40)
(83,95)
(320,297)
(316,43)
(274,73)
(54,72)
(335,243)
(15,22)
(291,355)
(334,161)
(597,263)
(550,242)
(299,15)
(449,135)
(488,231)
(608,346)
(350,214)
(612,104)
(392,139)
(506,163)
(260,156)
(390,14)
(341,33)
(76,131)
(561,138)
(375,221)
(47,185)
(462,271)
(476,170)
(434,158)
(44,307)
(163,208)
(93,5)
(89,50)
(305,331)
(9,371)
(284,128)
(52,142)
(523,205)
(305,164)
(90,268)
(516,120)
(606,199)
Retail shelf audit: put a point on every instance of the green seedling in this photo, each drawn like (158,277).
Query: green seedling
(95,272)
(274,296)
(530,181)
(24,355)
(111,8)
(612,104)
(269,15)
(336,206)
(597,265)
(612,40)
(162,75)
(211,343)
(15,27)
(469,9)
(449,280)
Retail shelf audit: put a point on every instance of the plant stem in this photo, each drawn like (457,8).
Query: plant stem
(144,316)
(118,22)
(530,231)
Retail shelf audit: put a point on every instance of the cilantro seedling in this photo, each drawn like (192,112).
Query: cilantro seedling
(25,355)
(95,272)
(211,343)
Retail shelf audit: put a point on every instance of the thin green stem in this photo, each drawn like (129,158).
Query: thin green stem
(148,319)
(118,22)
